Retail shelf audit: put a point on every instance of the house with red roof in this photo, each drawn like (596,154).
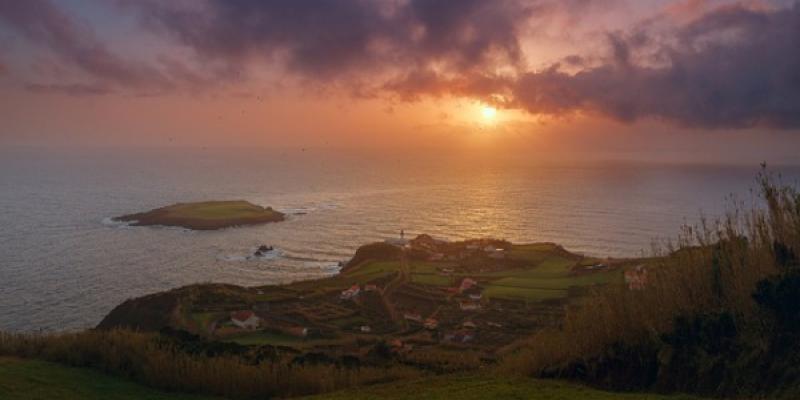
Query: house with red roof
(245,319)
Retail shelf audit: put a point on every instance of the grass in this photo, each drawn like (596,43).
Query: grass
(217,210)
(467,387)
(206,215)
(527,294)
(264,338)
(431,279)
(32,379)
(374,268)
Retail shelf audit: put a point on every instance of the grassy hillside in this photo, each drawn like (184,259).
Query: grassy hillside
(467,387)
(31,379)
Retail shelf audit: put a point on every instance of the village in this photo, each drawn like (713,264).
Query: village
(477,296)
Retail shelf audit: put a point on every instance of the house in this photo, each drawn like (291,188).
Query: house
(636,278)
(450,290)
(474,293)
(296,331)
(413,316)
(245,319)
(350,293)
(469,325)
(370,287)
(431,323)
(466,284)
(459,336)
(365,329)
(446,271)
(435,257)
(468,305)
(398,242)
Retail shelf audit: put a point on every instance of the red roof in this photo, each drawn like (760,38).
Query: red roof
(243,315)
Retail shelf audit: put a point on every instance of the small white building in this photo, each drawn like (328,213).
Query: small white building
(350,293)
(245,319)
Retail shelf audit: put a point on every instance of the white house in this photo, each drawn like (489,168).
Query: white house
(350,293)
(245,319)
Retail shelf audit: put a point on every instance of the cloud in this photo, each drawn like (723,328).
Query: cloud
(43,23)
(326,39)
(693,65)
(733,67)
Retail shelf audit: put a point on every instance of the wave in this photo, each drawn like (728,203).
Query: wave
(111,222)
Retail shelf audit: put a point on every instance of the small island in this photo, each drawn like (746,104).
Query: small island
(206,215)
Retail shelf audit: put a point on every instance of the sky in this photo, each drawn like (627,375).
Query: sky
(687,80)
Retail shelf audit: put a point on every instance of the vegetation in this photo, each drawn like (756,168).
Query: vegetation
(718,314)
(479,387)
(714,313)
(33,379)
(207,215)
(186,364)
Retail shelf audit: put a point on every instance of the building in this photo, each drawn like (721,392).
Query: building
(431,323)
(350,293)
(398,242)
(413,316)
(370,287)
(435,257)
(296,331)
(245,319)
(636,278)
(474,293)
(459,336)
(469,305)
(466,284)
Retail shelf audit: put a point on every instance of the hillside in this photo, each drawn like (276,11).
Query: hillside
(32,379)
(472,387)
(429,303)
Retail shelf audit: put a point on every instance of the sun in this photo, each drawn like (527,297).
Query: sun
(488,113)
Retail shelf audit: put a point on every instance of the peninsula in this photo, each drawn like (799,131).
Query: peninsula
(206,215)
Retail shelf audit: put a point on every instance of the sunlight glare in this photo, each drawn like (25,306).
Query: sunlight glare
(488,113)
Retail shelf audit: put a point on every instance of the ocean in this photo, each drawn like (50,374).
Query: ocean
(64,263)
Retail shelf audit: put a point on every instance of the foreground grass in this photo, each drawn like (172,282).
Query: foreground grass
(32,379)
(467,387)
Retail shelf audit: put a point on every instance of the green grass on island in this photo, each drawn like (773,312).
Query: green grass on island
(472,387)
(206,215)
(39,380)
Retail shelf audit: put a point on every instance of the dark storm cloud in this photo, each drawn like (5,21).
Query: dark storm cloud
(325,38)
(733,67)
(43,23)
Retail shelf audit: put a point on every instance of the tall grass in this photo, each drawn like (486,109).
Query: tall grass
(145,359)
(711,267)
